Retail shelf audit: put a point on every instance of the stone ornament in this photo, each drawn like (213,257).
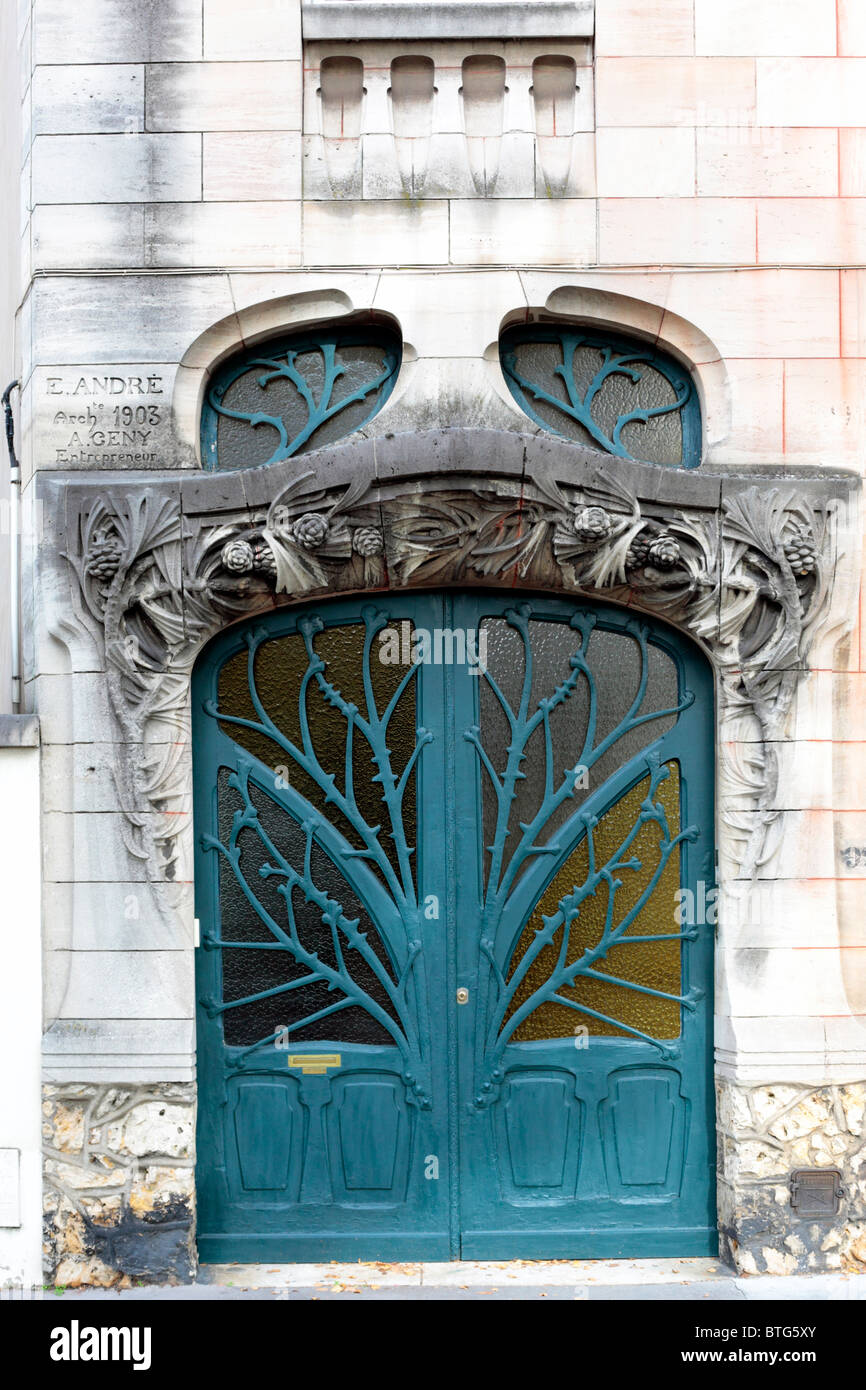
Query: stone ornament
(746,569)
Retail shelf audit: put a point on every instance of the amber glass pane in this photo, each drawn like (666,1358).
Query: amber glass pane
(280,666)
(656,965)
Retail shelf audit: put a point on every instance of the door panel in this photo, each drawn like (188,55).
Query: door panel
(370,1136)
(374,834)
(643,1125)
(265,1119)
(536,1103)
(579,975)
(321,1096)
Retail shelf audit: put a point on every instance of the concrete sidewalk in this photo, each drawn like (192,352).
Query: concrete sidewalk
(592,1280)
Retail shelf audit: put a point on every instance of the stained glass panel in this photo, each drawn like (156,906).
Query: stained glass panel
(289,396)
(604,392)
(654,965)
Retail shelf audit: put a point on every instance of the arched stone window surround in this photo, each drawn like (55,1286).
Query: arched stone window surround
(593,307)
(272,318)
(345,299)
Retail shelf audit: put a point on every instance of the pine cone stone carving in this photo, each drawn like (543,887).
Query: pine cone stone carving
(663,551)
(310,530)
(638,552)
(104,559)
(368,541)
(800,551)
(263,559)
(592,525)
(237,556)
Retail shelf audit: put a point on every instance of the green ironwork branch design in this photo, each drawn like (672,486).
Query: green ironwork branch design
(400,1022)
(525,842)
(374,729)
(617,359)
(563,975)
(284,366)
(396,881)
(504,870)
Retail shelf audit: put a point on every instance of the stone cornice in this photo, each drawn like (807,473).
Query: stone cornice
(348,20)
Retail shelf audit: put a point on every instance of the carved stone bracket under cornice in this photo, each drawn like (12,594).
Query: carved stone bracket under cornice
(746,564)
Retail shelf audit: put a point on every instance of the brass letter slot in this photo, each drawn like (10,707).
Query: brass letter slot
(315,1063)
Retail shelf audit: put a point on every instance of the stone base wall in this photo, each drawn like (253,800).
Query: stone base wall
(119,1196)
(120,1180)
(763,1133)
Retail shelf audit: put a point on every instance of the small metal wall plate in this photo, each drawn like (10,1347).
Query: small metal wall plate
(816,1191)
(315,1063)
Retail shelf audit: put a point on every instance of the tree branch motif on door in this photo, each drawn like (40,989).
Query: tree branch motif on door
(396,1000)
(514,988)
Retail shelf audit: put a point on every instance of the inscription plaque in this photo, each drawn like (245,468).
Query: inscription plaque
(105,417)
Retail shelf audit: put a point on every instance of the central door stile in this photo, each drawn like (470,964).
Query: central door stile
(450,699)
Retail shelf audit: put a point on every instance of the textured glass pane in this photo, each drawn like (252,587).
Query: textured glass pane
(294,397)
(655,965)
(586,390)
(252,971)
(279,670)
(658,440)
(615,664)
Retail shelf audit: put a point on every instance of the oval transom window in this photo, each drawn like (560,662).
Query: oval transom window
(295,393)
(604,391)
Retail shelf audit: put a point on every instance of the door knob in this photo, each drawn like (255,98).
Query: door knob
(462,996)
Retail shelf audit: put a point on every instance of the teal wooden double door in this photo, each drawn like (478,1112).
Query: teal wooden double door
(454,986)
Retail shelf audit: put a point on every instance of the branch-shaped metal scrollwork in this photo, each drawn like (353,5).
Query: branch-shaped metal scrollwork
(504,868)
(361,726)
(505,1019)
(372,726)
(512,848)
(321,402)
(398,1020)
(581,400)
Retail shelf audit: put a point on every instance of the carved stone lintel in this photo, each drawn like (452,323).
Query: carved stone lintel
(744,565)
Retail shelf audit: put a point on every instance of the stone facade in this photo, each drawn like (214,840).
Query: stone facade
(765,1133)
(185,191)
(119,1184)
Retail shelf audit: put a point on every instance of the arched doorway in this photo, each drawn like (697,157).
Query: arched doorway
(454,861)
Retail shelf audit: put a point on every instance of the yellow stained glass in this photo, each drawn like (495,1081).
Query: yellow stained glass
(656,965)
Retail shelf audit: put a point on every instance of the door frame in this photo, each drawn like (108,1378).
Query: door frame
(453,508)
(694,671)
